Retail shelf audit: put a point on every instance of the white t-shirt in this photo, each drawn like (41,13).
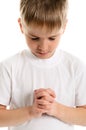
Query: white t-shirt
(21,74)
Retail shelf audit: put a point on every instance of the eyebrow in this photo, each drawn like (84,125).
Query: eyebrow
(33,35)
(38,36)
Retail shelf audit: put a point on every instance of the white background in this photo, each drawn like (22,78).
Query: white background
(73,41)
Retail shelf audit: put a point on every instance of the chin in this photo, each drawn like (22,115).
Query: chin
(44,56)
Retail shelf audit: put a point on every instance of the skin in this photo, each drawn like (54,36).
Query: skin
(74,116)
(43,45)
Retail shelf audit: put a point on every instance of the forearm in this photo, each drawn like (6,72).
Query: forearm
(70,115)
(14,117)
(75,116)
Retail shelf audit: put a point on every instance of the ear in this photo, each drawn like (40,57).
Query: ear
(20,24)
(64,27)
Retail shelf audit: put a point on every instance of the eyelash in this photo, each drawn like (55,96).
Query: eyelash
(51,38)
(36,39)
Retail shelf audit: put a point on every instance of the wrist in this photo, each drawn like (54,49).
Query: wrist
(64,113)
(59,111)
(30,113)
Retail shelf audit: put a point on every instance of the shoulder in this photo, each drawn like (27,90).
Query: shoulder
(18,58)
(72,62)
(70,58)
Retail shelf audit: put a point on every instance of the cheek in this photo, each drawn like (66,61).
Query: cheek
(54,44)
(57,41)
(31,44)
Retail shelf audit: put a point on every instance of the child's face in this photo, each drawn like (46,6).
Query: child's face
(41,42)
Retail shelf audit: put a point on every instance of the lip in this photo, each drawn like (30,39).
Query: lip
(42,53)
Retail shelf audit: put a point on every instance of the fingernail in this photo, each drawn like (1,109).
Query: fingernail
(35,90)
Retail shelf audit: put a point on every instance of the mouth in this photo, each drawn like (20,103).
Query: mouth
(43,53)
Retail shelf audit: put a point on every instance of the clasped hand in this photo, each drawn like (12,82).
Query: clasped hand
(44,102)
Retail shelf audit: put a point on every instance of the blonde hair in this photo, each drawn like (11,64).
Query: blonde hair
(52,13)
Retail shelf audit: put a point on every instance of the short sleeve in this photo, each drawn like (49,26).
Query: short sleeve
(80,85)
(5,84)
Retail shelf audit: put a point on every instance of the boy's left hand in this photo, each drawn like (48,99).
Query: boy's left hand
(46,100)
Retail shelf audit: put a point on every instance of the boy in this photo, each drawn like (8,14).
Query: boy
(44,87)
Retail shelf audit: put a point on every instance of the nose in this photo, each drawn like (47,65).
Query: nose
(43,45)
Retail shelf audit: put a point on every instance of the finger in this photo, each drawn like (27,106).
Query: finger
(44,96)
(48,98)
(44,105)
(51,92)
(39,90)
(42,102)
(40,94)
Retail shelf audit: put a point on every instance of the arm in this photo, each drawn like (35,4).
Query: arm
(13,117)
(74,116)
(18,116)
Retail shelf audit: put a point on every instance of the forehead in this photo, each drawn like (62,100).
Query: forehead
(41,31)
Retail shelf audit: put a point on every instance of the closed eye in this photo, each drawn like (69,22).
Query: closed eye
(51,38)
(35,38)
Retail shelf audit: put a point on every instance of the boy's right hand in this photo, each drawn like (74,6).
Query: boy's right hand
(34,111)
(47,96)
